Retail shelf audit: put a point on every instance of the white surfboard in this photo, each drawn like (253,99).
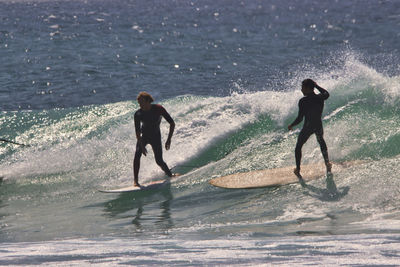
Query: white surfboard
(148,186)
(152,185)
(278,176)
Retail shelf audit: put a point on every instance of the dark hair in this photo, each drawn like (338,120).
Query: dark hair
(308,83)
(145,96)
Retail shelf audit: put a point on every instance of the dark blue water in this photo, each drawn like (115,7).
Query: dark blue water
(74,53)
(229,73)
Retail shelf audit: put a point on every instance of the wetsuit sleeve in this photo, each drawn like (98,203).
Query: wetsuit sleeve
(166,115)
(137,123)
(324,94)
(300,115)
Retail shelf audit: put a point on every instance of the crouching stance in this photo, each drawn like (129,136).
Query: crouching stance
(311,107)
(147,127)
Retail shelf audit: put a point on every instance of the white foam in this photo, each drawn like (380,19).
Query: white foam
(361,249)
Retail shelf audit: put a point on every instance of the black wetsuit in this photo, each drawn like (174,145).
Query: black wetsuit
(148,124)
(310,107)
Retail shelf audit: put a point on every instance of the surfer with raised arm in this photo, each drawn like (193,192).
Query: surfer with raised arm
(147,127)
(310,108)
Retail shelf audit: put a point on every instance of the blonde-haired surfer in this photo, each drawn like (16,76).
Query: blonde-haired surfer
(147,127)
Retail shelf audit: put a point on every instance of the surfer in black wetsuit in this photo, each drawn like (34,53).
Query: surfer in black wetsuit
(310,107)
(147,127)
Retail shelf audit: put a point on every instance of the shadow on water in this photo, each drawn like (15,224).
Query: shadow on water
(141,201)
(330,193)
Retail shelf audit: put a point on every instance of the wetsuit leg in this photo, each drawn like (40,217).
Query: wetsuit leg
(324,149)
(157,149)
(301,140)
(136,161)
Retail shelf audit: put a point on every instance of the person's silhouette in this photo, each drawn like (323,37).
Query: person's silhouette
(310,108)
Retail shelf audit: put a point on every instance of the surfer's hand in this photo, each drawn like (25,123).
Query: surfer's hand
(290,127)
(144,150)
(168,144)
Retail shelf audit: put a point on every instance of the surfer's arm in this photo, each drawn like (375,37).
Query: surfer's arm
(324,93)
(171,122)
(171,132)
(299,117)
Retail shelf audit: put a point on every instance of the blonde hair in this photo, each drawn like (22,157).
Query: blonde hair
(145,96)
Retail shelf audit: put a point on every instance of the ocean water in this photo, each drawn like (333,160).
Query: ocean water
(229,73)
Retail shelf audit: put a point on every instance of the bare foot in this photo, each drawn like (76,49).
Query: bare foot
(137,184)
(301,180)
(297,172)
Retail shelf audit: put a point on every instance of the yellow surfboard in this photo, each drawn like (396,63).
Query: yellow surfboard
(278,176)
